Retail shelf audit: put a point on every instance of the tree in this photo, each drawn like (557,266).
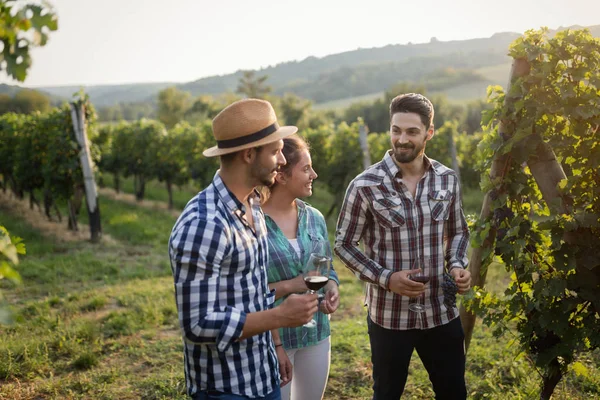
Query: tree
(24,102)
(204,107)
(253,86)
(5,103)
(172,106)
(294,108)
(472,118)
(543,220)
(343,155)
(21,28)
(172,154)
(27,101)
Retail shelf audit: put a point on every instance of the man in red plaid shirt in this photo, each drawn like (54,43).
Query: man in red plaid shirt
(406,209)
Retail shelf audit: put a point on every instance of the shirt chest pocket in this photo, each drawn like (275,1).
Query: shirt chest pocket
(439,204)
(389,212)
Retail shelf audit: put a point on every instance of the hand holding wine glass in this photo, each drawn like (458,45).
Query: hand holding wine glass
(316,275)
(423,276)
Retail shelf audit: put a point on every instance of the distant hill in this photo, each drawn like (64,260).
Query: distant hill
(106,95)
(11,90)
(307,78)
(354,74)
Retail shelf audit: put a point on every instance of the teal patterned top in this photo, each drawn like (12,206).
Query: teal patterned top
(284,264)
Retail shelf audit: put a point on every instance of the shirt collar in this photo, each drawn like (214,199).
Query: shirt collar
(229,199)
(394,170)
(300,206)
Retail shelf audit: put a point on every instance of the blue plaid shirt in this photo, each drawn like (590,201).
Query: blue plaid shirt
(284,264)
(219,269)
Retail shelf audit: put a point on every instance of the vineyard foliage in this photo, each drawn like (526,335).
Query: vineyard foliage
(39,154)
(551,249)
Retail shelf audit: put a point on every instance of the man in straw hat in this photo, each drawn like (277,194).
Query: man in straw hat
(218,251)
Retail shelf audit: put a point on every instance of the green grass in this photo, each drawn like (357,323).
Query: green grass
(137,225)
(465,92)
(497,74)
(99,321)
(156,191)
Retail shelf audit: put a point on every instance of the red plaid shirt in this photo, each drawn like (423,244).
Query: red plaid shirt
(397,229)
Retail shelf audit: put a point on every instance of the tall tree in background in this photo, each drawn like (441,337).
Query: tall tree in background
(253,86)
(172,106)
(294,108)
(24,102)
(203,107)
(21,28)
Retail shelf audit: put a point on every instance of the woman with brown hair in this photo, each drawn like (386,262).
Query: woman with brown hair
(294,230)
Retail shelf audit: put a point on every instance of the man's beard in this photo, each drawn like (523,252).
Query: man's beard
(405,158)
(264,175)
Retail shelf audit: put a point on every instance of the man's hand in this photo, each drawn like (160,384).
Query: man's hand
(462,277)
(297,309)
(332,298)
(285,366)
(297,284)
(400,283)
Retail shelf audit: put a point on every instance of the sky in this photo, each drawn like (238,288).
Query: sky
(132,41)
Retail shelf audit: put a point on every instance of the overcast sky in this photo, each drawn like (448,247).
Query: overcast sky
(128,41)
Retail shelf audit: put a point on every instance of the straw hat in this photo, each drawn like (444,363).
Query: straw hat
(245,124)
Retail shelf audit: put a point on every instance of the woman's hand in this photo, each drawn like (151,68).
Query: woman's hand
(331,301)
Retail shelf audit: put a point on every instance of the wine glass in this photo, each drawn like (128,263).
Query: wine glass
(423,276)
(320,247)
(316,275)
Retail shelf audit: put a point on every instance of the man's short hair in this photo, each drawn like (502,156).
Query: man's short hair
(413,103)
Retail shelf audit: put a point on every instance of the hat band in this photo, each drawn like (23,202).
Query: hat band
(253,137)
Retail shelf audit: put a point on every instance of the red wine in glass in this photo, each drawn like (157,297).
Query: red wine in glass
(316,275)
(422,277)
(315,283)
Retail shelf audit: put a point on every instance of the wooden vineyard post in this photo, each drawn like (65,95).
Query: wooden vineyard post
(520,68)
(91,192)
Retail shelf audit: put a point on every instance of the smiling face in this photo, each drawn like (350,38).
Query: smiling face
(408,136)
(267,162)
(300,178)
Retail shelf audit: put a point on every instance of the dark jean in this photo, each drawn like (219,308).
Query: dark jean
(441,350)
(214,395)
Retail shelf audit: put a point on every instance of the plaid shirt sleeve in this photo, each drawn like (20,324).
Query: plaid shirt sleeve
(350,227)
(197,249)
(457,232)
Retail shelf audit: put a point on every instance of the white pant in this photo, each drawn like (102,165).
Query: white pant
(310,372)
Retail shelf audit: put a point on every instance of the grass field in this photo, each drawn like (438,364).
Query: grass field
(99,321)
(344,103)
